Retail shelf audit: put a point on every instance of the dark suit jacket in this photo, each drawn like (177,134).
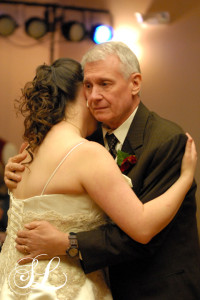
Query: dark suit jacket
(167,268)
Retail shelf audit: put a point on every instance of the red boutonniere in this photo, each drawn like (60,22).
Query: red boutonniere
(125,161)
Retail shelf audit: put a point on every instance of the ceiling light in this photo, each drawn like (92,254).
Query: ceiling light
(36,27)
(7,25)
(73,31)
(101,33)
(156,18)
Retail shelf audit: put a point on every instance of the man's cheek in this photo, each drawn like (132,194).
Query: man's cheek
(92,111)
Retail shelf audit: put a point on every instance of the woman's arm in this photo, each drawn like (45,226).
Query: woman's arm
(104,183)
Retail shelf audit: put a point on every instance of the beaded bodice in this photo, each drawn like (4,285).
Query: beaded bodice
(67,213)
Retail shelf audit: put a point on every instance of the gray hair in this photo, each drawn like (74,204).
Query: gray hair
(129,61)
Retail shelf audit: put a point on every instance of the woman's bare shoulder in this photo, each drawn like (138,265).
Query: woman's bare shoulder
(96,156)
(95,148)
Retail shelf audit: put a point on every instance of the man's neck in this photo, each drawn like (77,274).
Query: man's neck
(121,131)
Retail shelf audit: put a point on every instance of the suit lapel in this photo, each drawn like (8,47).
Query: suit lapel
(134,139)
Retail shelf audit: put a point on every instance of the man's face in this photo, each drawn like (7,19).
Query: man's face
(109,94)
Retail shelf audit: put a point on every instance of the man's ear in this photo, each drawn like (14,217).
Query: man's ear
(136,81)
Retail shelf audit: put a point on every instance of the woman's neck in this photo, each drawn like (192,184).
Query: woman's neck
(75,126)
(80,130)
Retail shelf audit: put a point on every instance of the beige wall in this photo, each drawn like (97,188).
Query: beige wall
(169,57)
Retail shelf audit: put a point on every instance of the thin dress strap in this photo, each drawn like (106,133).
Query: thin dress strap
(54,172)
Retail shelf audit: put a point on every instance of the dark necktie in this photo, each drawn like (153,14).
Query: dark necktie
(112,142)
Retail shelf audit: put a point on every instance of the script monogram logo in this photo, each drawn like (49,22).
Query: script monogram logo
(22,279)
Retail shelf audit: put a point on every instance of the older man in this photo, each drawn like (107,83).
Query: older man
(169,266)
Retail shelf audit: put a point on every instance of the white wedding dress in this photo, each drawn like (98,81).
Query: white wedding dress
(61,277)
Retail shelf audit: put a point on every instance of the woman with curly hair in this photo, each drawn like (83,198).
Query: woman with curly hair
(67,182)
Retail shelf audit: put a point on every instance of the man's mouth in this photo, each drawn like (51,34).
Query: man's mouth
(98,108)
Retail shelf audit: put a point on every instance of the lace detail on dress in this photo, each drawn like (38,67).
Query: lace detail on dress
(67,276)
(73,222)
(70,267)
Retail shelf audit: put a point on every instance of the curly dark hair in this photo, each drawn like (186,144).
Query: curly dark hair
(44,99)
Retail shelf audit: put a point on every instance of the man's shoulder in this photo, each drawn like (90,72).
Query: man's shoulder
(149,128)
(162,124)
(158,123)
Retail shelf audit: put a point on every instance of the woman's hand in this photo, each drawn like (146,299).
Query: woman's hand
(189,161)
(40,237)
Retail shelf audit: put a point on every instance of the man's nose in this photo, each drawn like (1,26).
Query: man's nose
(95,94)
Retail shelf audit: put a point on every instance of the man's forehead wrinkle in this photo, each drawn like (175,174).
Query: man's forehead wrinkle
(97,78)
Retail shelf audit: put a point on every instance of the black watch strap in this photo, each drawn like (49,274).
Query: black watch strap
(73,251)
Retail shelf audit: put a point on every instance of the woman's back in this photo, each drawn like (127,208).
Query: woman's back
(65,279)
(57,144)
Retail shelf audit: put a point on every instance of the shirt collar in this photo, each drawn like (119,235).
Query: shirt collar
(121,131)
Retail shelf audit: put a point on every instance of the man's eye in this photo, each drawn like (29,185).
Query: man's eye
(87,85)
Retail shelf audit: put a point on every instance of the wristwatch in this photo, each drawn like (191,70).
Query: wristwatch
(73,251)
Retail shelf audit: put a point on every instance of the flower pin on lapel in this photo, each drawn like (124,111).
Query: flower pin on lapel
(125,161)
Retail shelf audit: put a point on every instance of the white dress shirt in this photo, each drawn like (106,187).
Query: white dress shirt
(120,132)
